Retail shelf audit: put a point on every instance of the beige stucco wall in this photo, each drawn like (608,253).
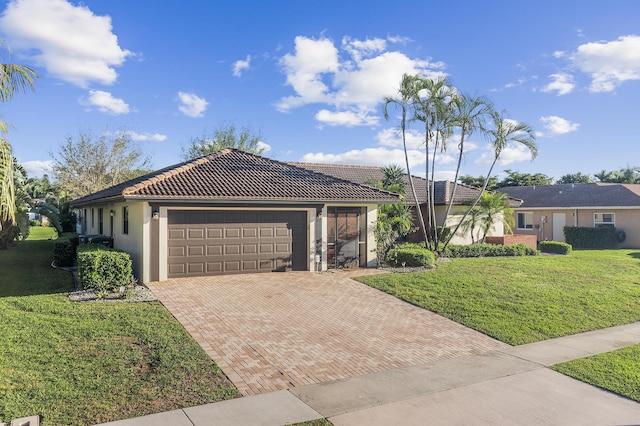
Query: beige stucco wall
(626,219)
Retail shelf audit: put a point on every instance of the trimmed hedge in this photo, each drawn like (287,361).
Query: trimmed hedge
(410,255)
(555,247)
(590,238)
(102,268)
(488,250)
(64,254)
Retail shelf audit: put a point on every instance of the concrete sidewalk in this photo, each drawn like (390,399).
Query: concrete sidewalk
(511,386)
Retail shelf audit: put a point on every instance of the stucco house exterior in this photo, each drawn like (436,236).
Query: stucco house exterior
(546,210)
(443,191)
(235,212)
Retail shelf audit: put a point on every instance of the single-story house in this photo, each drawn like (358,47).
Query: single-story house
(546,210)
(235,212)
(443,191)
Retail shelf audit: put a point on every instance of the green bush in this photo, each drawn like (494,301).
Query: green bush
(64,254)
(35,222)
(590,238)
(102,268)
(410,255)
(555,247)
(488,250)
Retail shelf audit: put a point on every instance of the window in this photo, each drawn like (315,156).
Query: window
(93,218)
(604,220)
(100,223)
(525,220)
(125,220)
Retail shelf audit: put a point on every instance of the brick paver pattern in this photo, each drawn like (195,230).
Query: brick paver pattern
(275,331)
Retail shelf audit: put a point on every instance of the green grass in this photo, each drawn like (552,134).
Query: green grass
(617,371)
(86,363)
(526,299)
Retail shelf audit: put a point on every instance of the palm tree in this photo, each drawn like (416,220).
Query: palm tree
(13,78)
(504,132)
(432,107)
(494,207)
(404,101)
(469,116)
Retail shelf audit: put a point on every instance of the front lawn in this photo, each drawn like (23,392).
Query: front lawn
(86,363)
(617,371)
(527,299)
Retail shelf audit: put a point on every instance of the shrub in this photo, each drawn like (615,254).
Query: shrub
(489,250)
(555,247)
(410,255)
(102,268)
(35,222)
(64,254)
(590,238)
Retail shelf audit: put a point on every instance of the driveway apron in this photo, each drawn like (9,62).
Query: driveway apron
(275,331)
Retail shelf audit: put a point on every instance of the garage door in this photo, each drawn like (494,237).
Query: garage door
(231,242)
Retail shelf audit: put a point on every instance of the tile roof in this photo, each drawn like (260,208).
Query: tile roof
(576,195)
(234,175)
(361,174)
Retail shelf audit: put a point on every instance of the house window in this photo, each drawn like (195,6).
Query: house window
(525,220)
(100,222)
(125,220)
(604,220)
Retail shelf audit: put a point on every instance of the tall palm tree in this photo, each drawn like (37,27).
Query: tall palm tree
(405,101)
(13,78)
(470,114)
(432,107)
(504,132)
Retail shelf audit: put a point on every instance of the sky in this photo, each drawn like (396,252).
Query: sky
(311,76)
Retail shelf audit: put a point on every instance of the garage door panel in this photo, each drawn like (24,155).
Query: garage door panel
(223,242)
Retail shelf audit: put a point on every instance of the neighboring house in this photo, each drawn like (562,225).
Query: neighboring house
(442,195)
(235,212)
(546,210)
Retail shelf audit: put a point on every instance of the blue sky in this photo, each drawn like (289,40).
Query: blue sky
(311,75)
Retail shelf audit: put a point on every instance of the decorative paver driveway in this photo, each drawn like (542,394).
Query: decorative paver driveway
(279,330)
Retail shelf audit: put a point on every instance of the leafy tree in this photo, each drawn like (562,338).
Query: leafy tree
(225,136)
(394,220)
(90,163)
(14,78)
(624,175)
(524,179)
(574,178)
(478,182)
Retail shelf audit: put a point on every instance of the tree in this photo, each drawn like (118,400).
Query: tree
(625,175)
(504,133)
(394,220)
(225,136)
(478,182)
(524,179)
(574,178)
(89,163)
(404,101)
(14,78)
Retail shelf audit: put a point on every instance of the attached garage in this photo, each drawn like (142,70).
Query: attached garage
(233,212)
(202,242)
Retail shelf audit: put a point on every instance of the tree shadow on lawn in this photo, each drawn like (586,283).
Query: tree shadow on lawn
(25,270)
(635,255)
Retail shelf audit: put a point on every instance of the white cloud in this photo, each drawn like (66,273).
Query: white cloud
(353,84)
(393,138)
(71,42)
(562,84)
(513,153)
(192,105)
(152,137)
(264,145)
(558,125)
(105,102)
(345,118)
(368,157)
(37,168)
(609,63)
(240,66)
